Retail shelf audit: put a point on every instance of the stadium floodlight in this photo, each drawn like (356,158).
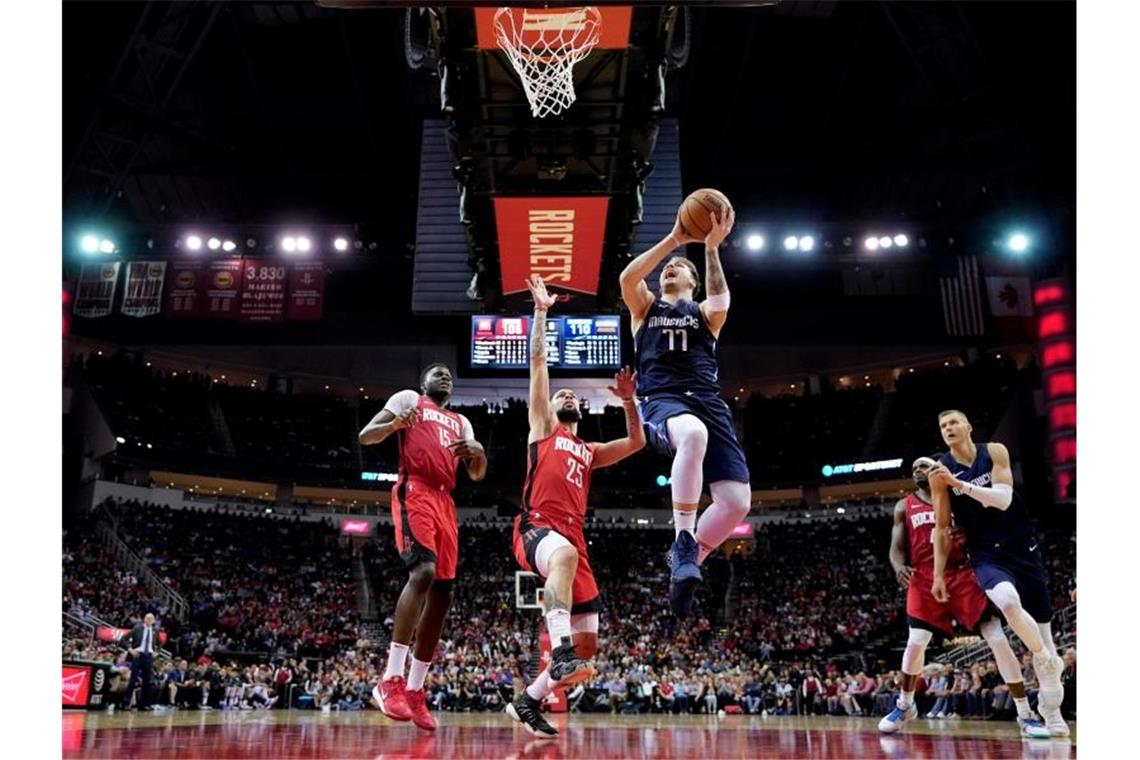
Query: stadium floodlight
(807,242)
(754,242)
(193,242)
(289,244)
(341,244)
(106,246)
(901,240)
(304,245)
(89,244)
(885,241)
(228,245)
(120,439)
(791,243)
(871,243)
(1018,242)
(213,244)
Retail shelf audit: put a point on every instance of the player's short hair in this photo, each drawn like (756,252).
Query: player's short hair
(692,270)
(424,372)
(948,412)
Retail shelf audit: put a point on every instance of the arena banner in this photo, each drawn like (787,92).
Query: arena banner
(223,286)
(185,288)
(306,290)
(262,291)
(557,238)
(142,291)
(95,292)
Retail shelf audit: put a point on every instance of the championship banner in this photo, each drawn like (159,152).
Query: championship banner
(96,290)
(263,291)
(306,290)
(557,238)
(185,288)
(142,293)
(222,288)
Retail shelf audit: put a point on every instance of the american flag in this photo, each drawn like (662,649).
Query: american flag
(962,298)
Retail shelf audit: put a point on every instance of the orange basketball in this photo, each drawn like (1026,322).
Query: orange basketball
(696,211)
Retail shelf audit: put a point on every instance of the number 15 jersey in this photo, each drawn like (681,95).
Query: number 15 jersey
(676,351)
(557,482)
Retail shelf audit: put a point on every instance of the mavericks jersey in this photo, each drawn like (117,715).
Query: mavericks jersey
(987,528)
(557,482)
(920,531)
(676,351)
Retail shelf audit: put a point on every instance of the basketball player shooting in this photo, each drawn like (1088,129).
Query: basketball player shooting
(549,537)
(433,440)
(968,605)
(973,485)
(684,416)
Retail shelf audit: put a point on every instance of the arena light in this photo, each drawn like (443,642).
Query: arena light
(228,246)
(1018,243)
(885,241)
(120,439)
(901,240)
(791,243)
(304,245)
(193,242)
(662,481)
(289,244)
(106,246)
(89,244)
(871,243)
(807,242)
(754,242)
(213,244)
(340,244)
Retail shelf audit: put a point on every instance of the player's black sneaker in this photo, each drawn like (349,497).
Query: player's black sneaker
(566,668)
(684,573)
(527,710)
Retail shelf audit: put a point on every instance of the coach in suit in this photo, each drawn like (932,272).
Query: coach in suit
(142,642)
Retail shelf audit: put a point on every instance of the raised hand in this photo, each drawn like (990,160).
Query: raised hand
(722,225)
(542,300)
(680,236)
(625,384)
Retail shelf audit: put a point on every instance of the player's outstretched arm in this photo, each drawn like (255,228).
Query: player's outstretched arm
(715,306)
(897,554)
(940,492)
(398,413)
(540,414)
(605,454)
(634,291)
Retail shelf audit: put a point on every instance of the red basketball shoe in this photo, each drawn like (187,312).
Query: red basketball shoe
(392,698)
(421,716)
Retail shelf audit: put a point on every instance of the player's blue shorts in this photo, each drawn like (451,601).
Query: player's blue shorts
(1019,562)
(724,458)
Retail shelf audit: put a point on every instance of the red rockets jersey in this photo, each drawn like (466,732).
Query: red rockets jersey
(558,480)
(423,448)
(920,530)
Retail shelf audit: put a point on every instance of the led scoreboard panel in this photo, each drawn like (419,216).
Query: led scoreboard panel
(571,342)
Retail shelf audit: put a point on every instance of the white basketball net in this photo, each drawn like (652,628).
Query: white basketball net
(543,47)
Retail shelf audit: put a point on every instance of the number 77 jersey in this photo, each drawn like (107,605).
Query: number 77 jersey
(676,351)
(557,482)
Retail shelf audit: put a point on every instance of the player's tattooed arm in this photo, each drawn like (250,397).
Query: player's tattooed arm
(715,306)
(540,414)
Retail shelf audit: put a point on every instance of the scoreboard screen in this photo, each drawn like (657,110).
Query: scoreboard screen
(572,342)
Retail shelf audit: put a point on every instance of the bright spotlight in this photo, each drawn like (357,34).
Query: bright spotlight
(791,243)
(120,439)
(289,244)
(885,241)
(89,244)
(901,240)
(754,242)
(341,244)
(304,244)
(871,243)
(213,244)
(807,242)
(194,243)
(229,245)
(106,246)
(1018,243)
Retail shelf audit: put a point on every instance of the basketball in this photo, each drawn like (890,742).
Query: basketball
(697,210)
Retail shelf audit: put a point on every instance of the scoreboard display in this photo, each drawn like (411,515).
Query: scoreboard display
(572,342)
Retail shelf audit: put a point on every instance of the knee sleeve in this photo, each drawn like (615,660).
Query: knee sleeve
(915,652)
(586,622)
(1005,597)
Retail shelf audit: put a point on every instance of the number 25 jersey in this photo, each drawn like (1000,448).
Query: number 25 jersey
(557,481)
(676,351)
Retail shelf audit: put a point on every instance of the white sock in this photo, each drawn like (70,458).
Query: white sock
(540,687)
(558,626)
(1023,710)
(906,699)
(731,502)
(684,519)
(417,673)
(397,655)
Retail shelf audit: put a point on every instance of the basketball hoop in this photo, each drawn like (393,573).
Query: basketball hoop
(543,46)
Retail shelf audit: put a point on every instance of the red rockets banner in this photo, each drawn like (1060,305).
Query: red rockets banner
(558,238)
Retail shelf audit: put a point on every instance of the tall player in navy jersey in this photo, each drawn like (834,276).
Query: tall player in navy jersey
(973,483)
(684,416)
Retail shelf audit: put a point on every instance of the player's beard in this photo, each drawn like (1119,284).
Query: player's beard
(437,395)
(923,484)
(569,416)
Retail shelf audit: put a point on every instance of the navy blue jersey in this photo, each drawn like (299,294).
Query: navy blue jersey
(987,528)
(676,351)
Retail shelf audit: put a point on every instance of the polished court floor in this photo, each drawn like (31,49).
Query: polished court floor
(304,734)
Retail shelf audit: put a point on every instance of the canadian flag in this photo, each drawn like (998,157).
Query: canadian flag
(1010,296)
